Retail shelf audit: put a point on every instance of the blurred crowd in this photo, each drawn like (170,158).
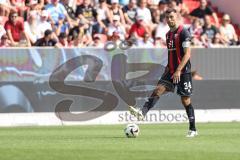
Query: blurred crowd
(92,23)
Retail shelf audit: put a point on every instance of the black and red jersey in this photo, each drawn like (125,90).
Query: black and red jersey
(176,41)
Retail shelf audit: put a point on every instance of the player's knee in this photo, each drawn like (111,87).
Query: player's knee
(160,90)
(186,100)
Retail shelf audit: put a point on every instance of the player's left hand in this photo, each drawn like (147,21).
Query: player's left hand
(176,76)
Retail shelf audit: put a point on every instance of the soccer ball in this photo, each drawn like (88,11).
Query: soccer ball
(132,130)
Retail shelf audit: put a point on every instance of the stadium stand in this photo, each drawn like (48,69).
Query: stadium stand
(81,20)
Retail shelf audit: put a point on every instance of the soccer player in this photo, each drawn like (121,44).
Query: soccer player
(177,72)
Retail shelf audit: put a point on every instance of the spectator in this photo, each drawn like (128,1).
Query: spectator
(162,6)
(173,4)
(6,8)
(15,30)
(86,13)
(69,9)
(47,40)
(78,42)
(158,12)
(55,10)
(62,26)
(2,29)
(155,16)
(216,42)
(139,29)
(43,24)
(116,27)
(158,42)
(143,11)
(97,42)
(72,4)
(30,26)
(115,38)
(146,42)
(103,13)
(130,12)
(80,34)
(209,31)
(116,10)
(179,7)
(203,10)
(4,41)
(196,31)
(35,4)
(80,29)
(153,4)
(227,31)
(20,6)
(63,42)
(162,29)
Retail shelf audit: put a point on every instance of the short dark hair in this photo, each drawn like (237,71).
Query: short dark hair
(170,10)
(12,13)
(62,35)
(47,32)
(162,2)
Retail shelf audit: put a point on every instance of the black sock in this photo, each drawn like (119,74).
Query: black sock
(152,100)
(191,117)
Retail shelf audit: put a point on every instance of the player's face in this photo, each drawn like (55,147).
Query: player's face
(171,19)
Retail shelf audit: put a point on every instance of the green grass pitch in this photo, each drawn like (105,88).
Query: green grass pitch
(217,141)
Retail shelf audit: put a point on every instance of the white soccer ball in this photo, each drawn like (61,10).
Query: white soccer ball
(132,130)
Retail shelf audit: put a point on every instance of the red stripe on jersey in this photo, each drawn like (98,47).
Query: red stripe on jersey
(171,65)
(177,44)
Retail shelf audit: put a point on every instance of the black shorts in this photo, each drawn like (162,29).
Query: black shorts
(184,87)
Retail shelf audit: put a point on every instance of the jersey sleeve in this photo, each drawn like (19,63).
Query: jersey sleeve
(209,11)
(185,38)
(7,26)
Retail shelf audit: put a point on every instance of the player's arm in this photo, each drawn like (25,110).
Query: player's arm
(186,57)
(187,53)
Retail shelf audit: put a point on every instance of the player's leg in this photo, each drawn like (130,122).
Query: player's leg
(184,89)
(164,85)
(186,101)
(141,113)
(152,100)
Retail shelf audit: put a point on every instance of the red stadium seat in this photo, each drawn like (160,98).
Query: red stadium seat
(237,29)
(191,4)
